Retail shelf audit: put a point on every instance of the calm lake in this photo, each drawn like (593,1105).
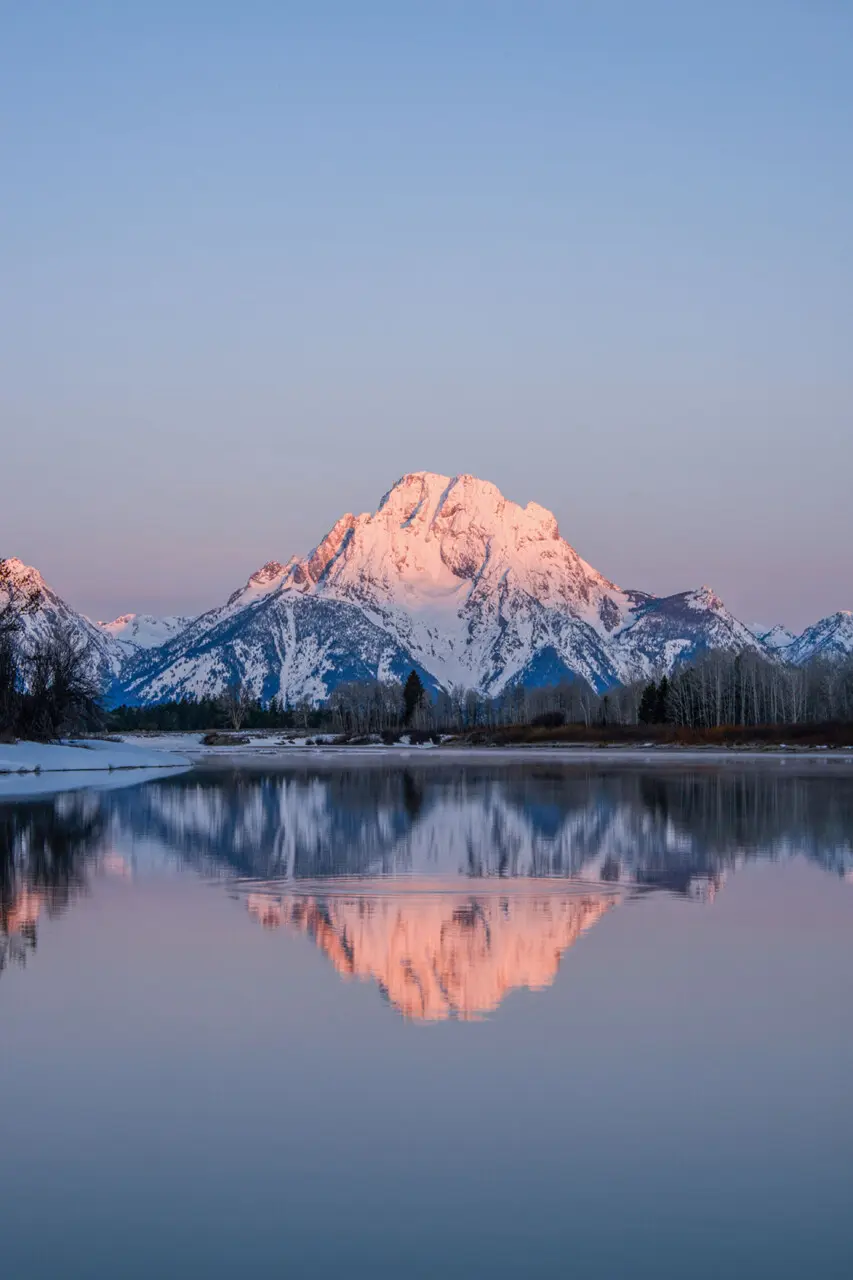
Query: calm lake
(438,1019)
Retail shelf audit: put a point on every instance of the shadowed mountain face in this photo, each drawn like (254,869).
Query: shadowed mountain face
(446,886)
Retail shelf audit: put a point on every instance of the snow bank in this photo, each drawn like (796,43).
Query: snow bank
(190,743)
(273,743)
(32,786)
(184,743)
(83,755)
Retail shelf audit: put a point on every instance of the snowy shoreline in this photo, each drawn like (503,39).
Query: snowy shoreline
(266,745)
(78,763)
(263,750)
(84,756)
(662,756)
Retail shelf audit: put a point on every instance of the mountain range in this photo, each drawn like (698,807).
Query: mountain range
(446,577)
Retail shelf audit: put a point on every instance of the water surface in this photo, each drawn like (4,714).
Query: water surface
(458,1020)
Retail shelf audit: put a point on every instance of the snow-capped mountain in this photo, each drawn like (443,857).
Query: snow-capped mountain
(109,644)
(448,577)
(142,631)
(668,630)
(41,610)
(776,638)
(282,645)
(832,637)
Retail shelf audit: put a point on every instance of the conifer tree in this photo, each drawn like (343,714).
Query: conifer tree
(647,709)
(413,696)
(662,702)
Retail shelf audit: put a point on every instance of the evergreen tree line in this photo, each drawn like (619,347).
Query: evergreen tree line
(201,714)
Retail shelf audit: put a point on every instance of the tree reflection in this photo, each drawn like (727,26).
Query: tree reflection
(666,828)
(45,847)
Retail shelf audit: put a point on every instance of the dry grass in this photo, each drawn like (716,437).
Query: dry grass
(758,736)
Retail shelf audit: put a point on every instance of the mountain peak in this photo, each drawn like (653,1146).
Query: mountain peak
(142,630)
(455,572)
(457,505)
(263,581)
(265,575)
(704,597)
(776,638)
(830,637)
(20,576)
(424,490)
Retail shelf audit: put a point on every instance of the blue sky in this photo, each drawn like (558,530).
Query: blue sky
(260,259)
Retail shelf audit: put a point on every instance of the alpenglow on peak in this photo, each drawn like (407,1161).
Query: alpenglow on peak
(447,577)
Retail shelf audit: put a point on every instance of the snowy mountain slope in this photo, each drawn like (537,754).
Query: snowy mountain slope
(485,593)
(24,583)
(280,645)
(776,638)
(142,631)
(446,576)
(832,637)
(673,629)
(472,585)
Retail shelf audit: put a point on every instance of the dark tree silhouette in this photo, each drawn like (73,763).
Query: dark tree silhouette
(413,696)
(653,707)
(15,603)
(62,693)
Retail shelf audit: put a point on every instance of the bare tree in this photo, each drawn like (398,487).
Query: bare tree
(10,683)
(62,692)
(236,703)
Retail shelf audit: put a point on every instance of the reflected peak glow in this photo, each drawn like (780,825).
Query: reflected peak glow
(437,956)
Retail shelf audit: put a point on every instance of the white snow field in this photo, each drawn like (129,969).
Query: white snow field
(84,755)
(271,747)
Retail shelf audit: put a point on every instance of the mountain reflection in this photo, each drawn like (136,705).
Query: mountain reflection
(308,845)
(680,829)
(438,956)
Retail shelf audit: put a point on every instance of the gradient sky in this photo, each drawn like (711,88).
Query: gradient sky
(260,259)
